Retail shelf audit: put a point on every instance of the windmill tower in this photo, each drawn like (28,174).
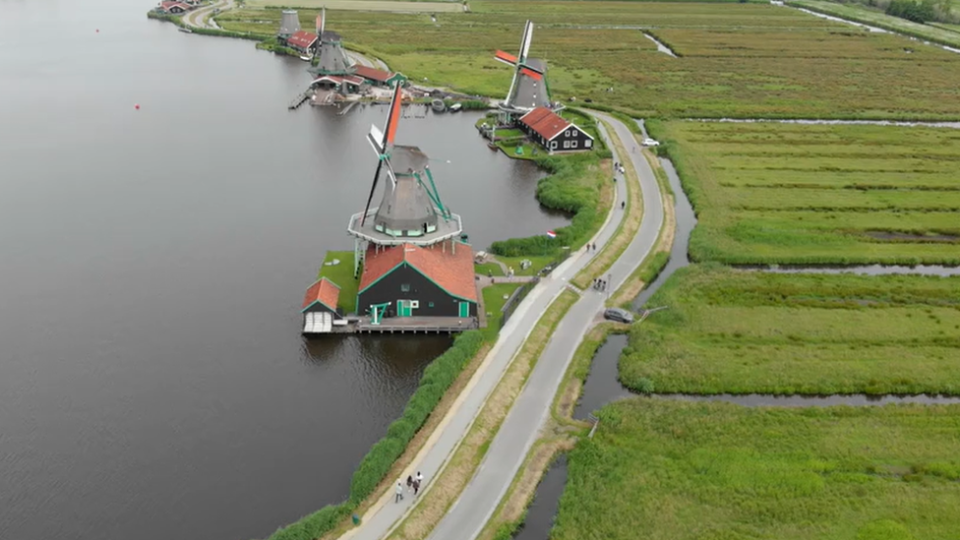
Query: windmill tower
(528,89)
(333,59)
(289,23)
(410,210)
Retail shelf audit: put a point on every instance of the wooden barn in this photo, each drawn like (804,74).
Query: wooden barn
(554,133)
(415,281)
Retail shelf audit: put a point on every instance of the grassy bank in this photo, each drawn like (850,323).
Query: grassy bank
(739,60)
(877,18)
(579,184)
(815,194)
(373,469)
(494,298)
(679,471)
(731,331)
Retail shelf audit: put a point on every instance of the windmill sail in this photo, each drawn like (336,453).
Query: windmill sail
(528,86)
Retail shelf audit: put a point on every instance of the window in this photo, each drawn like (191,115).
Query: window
(566,144)
(566,133)
(431,304)
(431,228)
(415,304)
(553,145)
(587,143)
(405,287)
(573,144)
(415,233)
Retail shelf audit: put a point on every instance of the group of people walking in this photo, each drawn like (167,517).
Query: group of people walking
(413,484)
(600,284)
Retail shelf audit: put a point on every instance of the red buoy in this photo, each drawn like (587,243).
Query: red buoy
(137,106)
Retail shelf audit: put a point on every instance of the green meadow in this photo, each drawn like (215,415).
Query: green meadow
(663,470)
(741,332)
(736,60)
(819,194)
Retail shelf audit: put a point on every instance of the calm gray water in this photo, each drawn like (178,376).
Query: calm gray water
(153,380)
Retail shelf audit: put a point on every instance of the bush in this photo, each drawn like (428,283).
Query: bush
(912,10)
(644,386)
(434,383)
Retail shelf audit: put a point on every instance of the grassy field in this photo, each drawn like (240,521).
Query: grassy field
(342,275)
(421,6)
(732,331)
(860,13)
(493,301)
(787,193)
(743,60)
(676,471)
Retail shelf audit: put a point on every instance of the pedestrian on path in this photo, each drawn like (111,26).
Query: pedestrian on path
(419,477)
(416,487)
(399,493)
(623,204)
(409,481)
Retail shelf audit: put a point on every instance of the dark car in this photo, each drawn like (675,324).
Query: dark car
(618,315)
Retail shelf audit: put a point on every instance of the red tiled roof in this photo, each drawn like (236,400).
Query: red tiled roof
(324,291)
(167,5)
(302,39)
(545,122)
(353,80)
(452,272)
(372,74)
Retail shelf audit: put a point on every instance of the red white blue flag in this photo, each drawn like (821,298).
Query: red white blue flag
(551,234)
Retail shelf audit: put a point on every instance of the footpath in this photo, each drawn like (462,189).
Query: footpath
(520,428)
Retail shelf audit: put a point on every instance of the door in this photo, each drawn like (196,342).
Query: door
(464,309)
(403,308)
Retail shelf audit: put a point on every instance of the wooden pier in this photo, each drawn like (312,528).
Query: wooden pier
(323,324)
(298,101)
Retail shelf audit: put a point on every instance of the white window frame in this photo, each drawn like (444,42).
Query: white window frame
(573,143)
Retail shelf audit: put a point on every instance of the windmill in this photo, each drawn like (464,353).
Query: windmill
(528,88)
(410,211)
(333,59)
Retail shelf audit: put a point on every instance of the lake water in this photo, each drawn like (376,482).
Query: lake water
(153,380)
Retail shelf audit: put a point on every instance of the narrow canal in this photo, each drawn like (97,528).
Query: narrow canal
(153,380)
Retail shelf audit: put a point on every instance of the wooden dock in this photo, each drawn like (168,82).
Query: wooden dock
(320,324)
(298,101)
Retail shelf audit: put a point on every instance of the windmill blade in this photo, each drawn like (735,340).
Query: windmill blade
(505,57)
(373,189)
(525,44)
(393,119)
(535,75)
(375,138)
(323,20)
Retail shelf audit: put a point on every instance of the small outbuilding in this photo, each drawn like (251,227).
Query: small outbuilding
(320,307)
(430,281)
(553,132)
(346,85)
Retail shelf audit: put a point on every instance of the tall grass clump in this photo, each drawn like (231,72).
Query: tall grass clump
(436,380)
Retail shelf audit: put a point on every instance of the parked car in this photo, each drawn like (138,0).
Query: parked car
(618,315)
(650,142)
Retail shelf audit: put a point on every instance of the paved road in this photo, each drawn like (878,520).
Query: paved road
(196,17)
(441,445)
(521,428)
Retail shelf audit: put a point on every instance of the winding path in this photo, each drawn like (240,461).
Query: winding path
(467,517)
(198,17)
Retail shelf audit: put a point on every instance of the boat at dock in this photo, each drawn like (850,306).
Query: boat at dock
(438,106)
(185,29)
(456,107)
(306,58)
